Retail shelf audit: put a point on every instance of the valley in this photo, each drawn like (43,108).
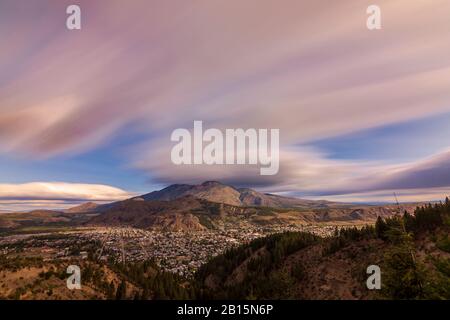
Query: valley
(178,233)
(178,252)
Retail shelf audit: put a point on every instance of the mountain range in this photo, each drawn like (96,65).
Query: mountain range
(214,191)
(210,205)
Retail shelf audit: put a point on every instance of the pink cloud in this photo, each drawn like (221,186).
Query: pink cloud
(311,69)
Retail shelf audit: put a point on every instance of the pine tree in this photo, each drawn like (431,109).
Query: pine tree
(145,293)
(110,291)
(381,228)
(121,291)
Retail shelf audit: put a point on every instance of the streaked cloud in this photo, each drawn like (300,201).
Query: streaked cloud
(30,205)
(389,196)
(61,191)
(308,68)
(431,172)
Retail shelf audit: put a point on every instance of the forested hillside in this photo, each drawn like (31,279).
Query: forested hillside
(413,252)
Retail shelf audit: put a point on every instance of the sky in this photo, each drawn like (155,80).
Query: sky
(86,115)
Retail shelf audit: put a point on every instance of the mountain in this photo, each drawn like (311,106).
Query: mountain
(82,208)
(210,190)
(250,197)
(42,219)
(189,213)
(33,218)
(182,214)
(193,214)
(214,191)
(211,205)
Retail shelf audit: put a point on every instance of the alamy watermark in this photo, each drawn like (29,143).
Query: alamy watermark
(374,19)
(231,147)
(374,280)
(73,21)
(74,281)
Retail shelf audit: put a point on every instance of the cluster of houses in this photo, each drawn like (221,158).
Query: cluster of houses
(178,252)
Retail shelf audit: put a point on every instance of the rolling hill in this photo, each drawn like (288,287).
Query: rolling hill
(84,207)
